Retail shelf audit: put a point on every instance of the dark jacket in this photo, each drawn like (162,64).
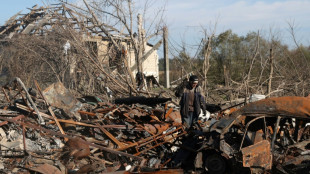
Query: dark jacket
(199,101)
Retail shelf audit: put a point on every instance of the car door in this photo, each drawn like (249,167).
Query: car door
(257,155)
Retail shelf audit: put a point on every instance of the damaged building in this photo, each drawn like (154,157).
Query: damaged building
(109,47)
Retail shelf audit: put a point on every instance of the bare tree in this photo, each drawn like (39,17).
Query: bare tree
(207,49)
(131,26)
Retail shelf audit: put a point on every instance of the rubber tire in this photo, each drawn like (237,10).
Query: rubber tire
(215,164)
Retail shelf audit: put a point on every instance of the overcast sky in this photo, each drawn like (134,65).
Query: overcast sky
(185,17)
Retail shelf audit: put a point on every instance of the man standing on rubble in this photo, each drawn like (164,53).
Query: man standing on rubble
(191,103)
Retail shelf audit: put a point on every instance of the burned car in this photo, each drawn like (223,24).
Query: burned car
(269,135)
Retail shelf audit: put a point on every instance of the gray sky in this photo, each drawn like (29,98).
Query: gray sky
(185,17)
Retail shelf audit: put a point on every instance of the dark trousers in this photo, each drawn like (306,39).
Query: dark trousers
(189,120)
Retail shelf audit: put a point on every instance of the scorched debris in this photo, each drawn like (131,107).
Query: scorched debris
(51,131)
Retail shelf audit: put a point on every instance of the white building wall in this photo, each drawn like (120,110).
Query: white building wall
(150,65)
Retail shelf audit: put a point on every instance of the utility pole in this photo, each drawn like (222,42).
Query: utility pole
(166,62)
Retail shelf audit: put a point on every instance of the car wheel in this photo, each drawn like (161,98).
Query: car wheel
(215,164)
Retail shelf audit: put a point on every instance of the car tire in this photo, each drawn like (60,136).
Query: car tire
(215,164)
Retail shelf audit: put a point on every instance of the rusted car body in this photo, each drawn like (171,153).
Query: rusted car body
(264,136)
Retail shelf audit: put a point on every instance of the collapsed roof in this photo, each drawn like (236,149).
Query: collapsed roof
(42,19)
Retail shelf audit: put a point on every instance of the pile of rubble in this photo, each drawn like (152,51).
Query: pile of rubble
(50,131)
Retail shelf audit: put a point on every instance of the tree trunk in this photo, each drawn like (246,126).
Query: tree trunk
(206,62)
(140,45)
(271,72)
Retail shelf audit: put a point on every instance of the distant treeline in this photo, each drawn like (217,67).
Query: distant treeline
(253,59)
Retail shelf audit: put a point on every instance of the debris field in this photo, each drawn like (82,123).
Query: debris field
(51,131)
